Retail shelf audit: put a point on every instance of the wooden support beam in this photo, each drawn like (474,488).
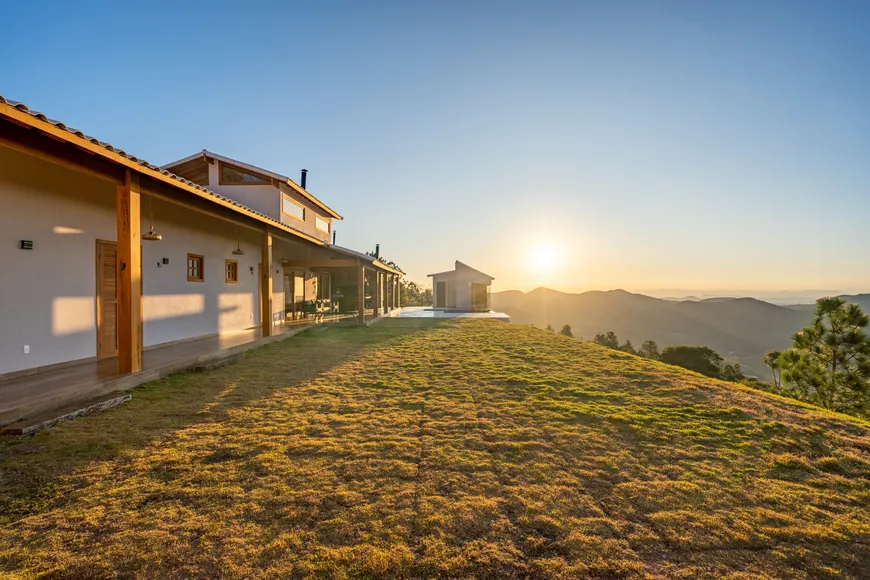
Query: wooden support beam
(386,295)
(361,293)
(376,296)
(27,142)
(398,292)
(266,284)
(129,270)
(320,263)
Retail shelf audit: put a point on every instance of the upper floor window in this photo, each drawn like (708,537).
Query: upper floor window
(293,209)
(321,224)
(232,175)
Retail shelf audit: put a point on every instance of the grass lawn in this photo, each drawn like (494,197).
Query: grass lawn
(467,449)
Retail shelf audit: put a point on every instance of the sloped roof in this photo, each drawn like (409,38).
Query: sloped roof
(20,114)
(364,257)
(283,178)
(461,265)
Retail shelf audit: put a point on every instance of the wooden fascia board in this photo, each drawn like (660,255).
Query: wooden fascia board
(298,189)
(320,263)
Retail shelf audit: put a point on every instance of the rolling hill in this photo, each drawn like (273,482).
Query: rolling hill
(459,449)
(740,329)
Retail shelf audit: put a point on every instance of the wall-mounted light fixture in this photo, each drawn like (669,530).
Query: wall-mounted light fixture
(252,270)
(26,244)
(238,251)
(151,236)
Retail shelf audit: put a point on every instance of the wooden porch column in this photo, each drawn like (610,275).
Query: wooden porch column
(376,297)
(129,275)
(398,292)
(385,298)
(361,294)
(388,297)
(266,284)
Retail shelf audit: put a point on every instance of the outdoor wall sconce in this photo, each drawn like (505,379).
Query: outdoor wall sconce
(163,261)
(252,270)
(238,251)
(26,244)
(151,236)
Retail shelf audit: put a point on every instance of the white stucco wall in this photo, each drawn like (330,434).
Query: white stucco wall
(47,295)
(262,198)
(172,307)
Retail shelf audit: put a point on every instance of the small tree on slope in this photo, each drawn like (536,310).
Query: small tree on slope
(649,349)
(609,340)
(829,362)
(566,330)
(771,359)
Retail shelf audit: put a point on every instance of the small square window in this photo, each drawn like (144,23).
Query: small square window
(195,268)
(321,224)
(232,272)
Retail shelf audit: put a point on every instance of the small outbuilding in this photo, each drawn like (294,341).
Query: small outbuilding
(461,289)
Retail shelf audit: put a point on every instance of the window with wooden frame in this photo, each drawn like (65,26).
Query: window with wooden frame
(195,268)
(293,208)
(231,269)
(232,175)
(321,224)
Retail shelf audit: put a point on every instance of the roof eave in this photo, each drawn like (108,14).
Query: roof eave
(22,115)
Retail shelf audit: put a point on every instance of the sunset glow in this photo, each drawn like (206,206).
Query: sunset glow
(544,258)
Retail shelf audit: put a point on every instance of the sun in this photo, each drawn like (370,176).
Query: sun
(544,258)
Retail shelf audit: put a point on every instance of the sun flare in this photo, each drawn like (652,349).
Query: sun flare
(544,258)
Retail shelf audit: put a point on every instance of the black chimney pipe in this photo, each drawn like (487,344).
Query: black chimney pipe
(377,251)
(304,178)
(333,237)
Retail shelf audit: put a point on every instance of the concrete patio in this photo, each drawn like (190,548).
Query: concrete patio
(41,395)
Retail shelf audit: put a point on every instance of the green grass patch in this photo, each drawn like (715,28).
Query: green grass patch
(464,449)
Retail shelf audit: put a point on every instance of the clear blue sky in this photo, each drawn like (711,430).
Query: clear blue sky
(641,145)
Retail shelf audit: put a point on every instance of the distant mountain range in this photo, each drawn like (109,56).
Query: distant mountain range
(740,329)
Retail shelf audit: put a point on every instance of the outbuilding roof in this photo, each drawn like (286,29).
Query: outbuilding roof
(460,266)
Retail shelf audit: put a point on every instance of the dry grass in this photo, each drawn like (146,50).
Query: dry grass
(469,449)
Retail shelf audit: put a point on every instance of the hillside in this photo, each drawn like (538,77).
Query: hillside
(469,449)
(740,329)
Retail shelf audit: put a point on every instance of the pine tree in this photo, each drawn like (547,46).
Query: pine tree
(829,362)
(649,349)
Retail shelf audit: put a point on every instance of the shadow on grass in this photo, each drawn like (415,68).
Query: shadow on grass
(36,473)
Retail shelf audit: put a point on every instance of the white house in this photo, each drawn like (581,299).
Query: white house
(107,255)
(462,288)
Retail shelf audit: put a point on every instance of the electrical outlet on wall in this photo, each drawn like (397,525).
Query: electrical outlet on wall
(26,349)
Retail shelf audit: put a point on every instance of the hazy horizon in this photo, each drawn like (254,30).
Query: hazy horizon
(775,297)
(575,145)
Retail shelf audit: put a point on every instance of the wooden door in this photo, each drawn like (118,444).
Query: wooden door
(107,299)
(441,295)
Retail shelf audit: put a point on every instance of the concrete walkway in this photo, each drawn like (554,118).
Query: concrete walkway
(36,394)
